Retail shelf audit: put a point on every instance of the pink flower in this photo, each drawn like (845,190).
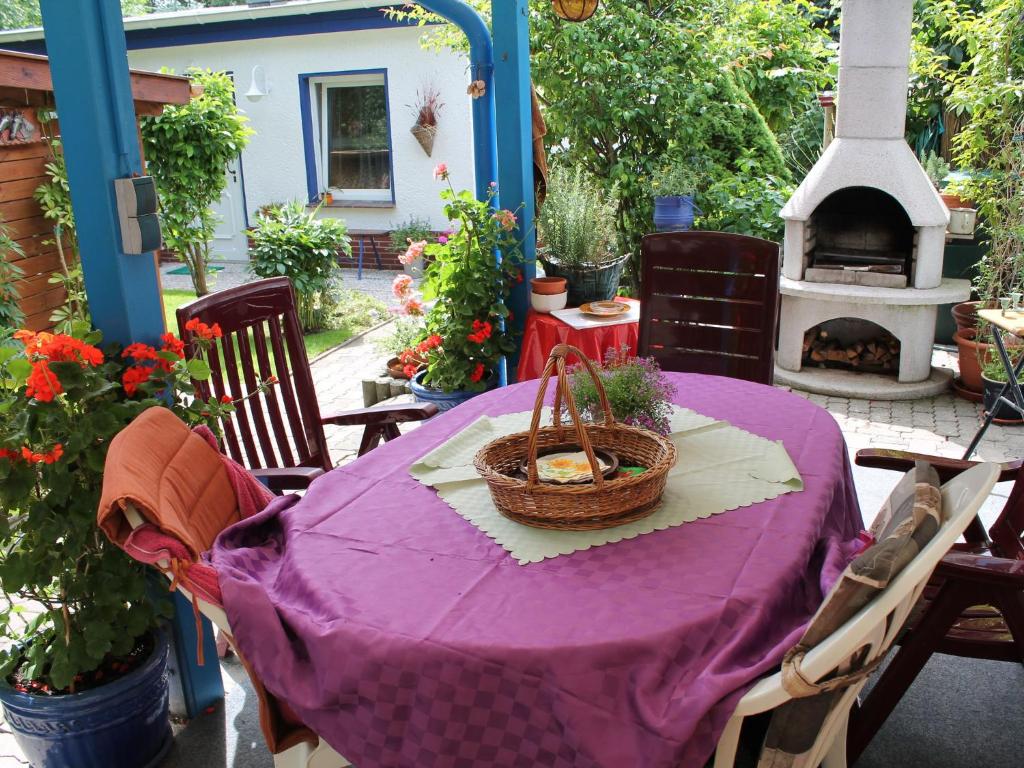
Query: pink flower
(442,239)
(413,252)
(506,219)
(402,286)
(412,306)
(441,171)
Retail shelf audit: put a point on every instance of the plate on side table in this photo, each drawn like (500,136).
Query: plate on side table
(604,308)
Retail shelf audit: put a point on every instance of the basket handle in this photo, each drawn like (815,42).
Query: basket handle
(556,361)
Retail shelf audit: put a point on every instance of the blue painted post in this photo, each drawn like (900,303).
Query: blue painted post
(92,86)
(511,25)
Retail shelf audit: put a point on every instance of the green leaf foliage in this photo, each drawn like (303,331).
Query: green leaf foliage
(188,148)
(297,243)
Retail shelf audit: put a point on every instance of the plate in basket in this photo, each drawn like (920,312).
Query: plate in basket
(604,308)
(568,465)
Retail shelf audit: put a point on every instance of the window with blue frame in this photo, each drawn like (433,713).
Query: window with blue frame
(354,152)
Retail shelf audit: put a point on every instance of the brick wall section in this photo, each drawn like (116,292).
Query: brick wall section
(388,255)
(21,171)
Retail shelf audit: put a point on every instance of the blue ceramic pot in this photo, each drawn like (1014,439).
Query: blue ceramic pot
(120,725)
(674,213)
(444,401)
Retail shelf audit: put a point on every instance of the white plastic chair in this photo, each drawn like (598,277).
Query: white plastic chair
(301,755)
(874,627)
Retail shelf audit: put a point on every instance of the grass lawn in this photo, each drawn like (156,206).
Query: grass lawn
(316,343)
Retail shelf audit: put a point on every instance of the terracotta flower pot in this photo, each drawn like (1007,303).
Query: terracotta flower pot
(548,286)
(965,315)
(973,356)
(954,201)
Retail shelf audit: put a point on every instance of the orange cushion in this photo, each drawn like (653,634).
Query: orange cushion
(172,477)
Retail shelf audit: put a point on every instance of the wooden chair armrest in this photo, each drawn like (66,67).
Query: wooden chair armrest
(903,461)
(984,568)
(280,479)
(385,414)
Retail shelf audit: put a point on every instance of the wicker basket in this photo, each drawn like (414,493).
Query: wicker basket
(599,504)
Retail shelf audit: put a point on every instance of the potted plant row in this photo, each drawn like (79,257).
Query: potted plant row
(577,237)
(83,679)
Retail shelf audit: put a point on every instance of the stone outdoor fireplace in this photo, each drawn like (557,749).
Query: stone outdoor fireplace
(866,230)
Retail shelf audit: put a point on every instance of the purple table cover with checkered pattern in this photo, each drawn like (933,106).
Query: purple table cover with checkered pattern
(406,638)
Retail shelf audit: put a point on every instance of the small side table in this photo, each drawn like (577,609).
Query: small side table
(1013,323)
(543,332)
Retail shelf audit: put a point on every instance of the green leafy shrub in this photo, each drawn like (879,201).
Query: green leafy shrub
(11,315)
(576,222)
(676,177)
(63,400)
(188,148)
(292,242)
(358,311)
(746,204)
(406,333)
(413,229)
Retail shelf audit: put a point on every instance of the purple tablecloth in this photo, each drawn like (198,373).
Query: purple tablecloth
(406,638)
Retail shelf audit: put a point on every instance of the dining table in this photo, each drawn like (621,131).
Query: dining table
(405,637)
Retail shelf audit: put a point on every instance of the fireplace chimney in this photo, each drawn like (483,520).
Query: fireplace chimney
(869,152)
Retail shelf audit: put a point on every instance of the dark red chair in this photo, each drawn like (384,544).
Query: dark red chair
(277,433)
(973,605)
(710,303)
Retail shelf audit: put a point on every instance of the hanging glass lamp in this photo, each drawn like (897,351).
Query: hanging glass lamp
(574,10)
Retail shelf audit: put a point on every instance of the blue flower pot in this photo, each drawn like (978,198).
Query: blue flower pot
(674,213)
(120,725)
(444,401)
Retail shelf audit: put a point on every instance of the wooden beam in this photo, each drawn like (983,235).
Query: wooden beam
(29,71)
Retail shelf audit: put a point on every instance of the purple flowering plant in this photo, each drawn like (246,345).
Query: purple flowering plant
(637,390)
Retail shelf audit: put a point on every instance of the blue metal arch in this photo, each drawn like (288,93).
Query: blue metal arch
(481,62)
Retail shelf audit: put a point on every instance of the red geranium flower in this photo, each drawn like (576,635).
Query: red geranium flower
(478,373)
(42,383)
(139,352)
(133,377)
(202,330)
(481,332)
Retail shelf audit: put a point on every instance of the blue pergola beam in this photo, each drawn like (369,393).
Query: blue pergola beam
(511,23)
(92,87)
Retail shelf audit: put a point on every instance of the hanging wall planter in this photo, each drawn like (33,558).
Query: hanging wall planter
(427,109)
(425,136)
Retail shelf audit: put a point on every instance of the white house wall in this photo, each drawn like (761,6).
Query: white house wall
(274,162)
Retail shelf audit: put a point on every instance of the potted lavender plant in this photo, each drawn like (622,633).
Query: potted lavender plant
(637,390)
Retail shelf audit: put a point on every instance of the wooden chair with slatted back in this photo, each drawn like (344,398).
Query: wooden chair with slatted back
(710,303)
(973,606)
(276,431)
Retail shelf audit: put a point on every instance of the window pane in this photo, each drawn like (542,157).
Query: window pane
(358,138)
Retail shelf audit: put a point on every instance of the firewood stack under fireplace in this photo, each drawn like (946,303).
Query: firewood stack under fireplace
(876,355)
